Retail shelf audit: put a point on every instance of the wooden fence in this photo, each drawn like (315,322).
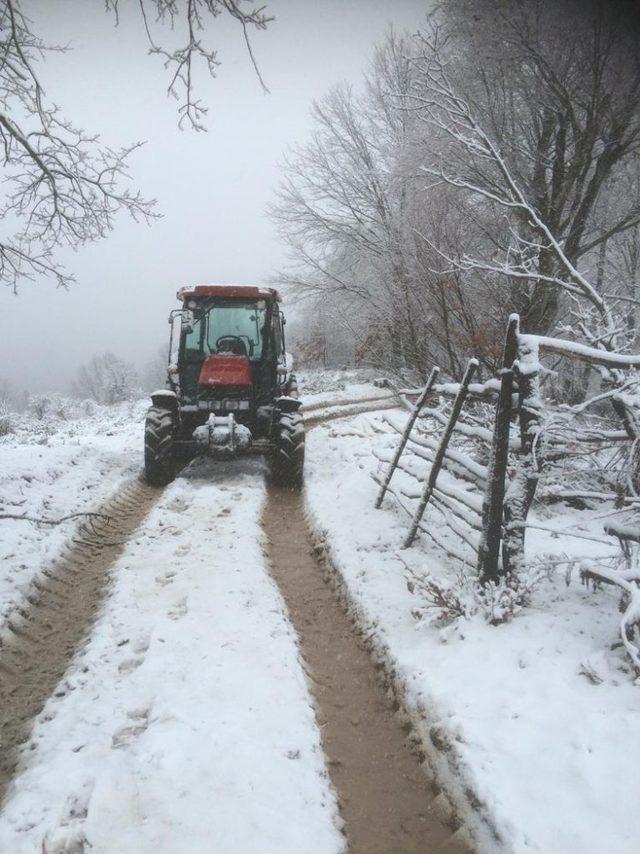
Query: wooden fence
(483,491)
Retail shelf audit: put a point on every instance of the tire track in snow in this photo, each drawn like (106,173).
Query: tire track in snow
(348,408)
(385,796)
(379,398)
(389,803)
(45,634)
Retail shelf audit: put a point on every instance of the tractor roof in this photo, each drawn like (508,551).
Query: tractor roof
(227,291)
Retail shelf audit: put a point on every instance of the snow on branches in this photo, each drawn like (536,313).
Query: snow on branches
(443,602)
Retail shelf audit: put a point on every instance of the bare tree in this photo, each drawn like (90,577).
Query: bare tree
(488,166)
(556,90)
(107,379)
(62,185)
(342,209)
(194,16)
(354,208)
(535,256)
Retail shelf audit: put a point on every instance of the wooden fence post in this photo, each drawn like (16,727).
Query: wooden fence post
(440,453)
(407,432)
(489,547)
(522,488)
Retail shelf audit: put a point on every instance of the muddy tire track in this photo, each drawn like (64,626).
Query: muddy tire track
(389,804)
(45,634)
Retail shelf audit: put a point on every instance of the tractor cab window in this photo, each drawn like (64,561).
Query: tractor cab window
(232,327)
(193,338)
(235,328)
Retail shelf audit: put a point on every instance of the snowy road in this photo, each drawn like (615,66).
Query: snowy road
(158,682)
(185,723)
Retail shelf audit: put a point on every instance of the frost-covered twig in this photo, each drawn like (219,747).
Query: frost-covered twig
(630,620)
(181,61)
(444,602)
(445,110)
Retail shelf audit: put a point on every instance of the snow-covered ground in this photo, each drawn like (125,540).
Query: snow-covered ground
(185,724)
(327,388)
(536,721)
(55,467)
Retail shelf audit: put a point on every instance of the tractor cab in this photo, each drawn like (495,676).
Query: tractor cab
(231,341)
(230,385)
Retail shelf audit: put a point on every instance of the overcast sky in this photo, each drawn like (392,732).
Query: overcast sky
(212,188)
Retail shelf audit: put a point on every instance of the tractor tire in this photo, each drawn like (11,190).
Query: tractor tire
(159,462)
(287,462)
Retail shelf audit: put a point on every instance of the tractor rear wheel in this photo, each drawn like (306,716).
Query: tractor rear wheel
(287,462)
(159,463)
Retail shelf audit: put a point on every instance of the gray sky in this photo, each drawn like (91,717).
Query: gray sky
(212,188)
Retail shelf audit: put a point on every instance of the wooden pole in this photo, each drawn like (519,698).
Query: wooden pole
(522,488)
(442,449)
(407,432)
(492,508)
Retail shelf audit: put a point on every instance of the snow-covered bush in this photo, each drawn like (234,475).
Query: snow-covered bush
(52,406)
(107,379)
(6,419)
(55,408)
(39,406)
(442,602)
(500,603)
(86,407)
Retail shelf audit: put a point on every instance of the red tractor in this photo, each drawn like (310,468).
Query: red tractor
(230,388)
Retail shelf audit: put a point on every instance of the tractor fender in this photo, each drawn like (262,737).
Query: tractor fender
(165,398)
(287,404)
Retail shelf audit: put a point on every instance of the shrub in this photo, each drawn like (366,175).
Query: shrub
(7,424)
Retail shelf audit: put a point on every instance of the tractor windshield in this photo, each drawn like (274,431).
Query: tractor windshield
(228,327)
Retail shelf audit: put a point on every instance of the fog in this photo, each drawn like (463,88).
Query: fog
(212,188)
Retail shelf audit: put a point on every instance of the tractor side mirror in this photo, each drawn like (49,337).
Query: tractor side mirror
(188,320)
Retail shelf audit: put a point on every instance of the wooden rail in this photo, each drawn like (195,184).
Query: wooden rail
(430,482)
(407,432)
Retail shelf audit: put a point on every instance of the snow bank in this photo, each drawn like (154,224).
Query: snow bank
(536,721)
(185,725)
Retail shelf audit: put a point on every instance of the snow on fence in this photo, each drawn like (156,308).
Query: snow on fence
(482,491)
(455,478)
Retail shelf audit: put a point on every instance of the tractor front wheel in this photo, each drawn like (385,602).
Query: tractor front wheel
(287,463)
(159,463)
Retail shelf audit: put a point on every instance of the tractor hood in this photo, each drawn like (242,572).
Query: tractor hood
(225,371)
